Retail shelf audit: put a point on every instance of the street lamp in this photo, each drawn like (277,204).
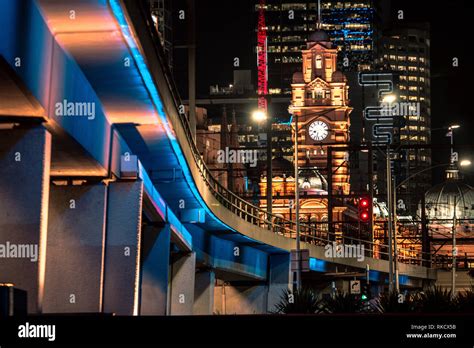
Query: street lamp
(389,98)
(391,221)
(454,249)
(297,278)
(260,115)
(465,163)
(391,201)
(297,208)
(451,135)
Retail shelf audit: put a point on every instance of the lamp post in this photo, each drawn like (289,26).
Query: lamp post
(395,248)
(454,251)
(297,208)
(451,135)
(463,163)
(297,272)
(453,230)
(261,116)
(390,219)
(388,99)
(297,281)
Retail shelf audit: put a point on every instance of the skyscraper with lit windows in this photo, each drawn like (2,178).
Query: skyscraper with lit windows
(351,26)
(406,50)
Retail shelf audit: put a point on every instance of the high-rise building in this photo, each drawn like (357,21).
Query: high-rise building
(406,49)
(351,25)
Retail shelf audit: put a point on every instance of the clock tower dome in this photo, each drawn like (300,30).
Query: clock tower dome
(320,106)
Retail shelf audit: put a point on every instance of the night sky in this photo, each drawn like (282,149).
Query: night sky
(225,30)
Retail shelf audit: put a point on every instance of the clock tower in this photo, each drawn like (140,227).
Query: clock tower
(320,104)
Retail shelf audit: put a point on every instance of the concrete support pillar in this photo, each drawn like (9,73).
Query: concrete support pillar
(183,272)
(122,248)
(279,279)
(235,298)
(75,249)
(205,282)
(155,256)
(25,158)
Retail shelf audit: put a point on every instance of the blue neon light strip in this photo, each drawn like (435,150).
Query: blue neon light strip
(150,85)
(289,122)
(318,265)
(167,214)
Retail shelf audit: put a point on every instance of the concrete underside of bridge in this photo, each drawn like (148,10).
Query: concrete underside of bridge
(103,246)
(156,242)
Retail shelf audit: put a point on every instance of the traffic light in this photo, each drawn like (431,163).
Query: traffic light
(365,209)
(365,296)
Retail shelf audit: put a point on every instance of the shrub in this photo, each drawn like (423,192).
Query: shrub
(465,301)
(394,302)
(342,303)
(436,300)
(303,301)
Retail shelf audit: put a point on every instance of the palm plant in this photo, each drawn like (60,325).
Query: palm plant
(465,301)
(394,302)
(436,300)
(342,303)
(303,301)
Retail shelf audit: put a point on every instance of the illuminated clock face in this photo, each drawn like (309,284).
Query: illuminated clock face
(318,130)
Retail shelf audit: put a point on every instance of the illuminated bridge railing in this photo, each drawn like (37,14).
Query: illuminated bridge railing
(258,216)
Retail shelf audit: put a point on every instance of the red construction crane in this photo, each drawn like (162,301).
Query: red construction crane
(262,58)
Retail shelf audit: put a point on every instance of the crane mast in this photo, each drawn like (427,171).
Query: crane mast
(262,90)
